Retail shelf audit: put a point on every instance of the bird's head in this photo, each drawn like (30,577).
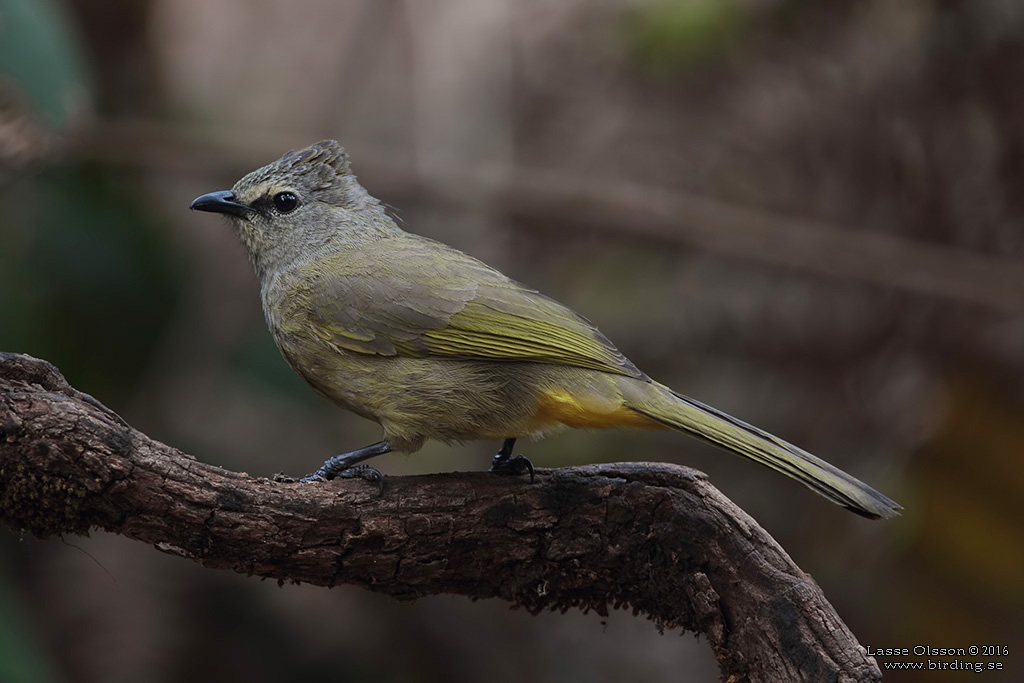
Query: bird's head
(306,203)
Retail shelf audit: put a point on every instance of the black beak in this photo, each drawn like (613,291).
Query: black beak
(220,202)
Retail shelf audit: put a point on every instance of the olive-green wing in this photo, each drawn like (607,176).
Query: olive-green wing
(415,297)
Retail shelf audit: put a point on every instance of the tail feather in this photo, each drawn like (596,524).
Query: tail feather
(720,429)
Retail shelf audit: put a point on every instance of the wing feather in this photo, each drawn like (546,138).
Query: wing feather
(415,297)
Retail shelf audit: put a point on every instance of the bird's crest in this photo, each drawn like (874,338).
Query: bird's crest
(316,167)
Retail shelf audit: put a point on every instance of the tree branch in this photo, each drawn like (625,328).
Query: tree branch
(653,537)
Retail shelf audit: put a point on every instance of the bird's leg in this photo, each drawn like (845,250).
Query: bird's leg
(345,466)
(505,463)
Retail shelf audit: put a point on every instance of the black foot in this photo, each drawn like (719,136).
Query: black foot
(345,466)
(354,472)
(507,464)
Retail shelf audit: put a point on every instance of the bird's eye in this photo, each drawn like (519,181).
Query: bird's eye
(285,202)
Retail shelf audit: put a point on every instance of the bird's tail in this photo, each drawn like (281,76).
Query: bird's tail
(676,411)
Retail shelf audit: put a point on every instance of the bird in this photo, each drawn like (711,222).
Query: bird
(432,343)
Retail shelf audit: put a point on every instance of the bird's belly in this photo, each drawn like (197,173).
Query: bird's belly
(461,400)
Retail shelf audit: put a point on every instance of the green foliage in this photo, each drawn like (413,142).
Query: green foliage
(39,53)
(20,660)
(669,36)
(85,278)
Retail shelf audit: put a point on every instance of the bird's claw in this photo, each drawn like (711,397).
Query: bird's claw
(364,472)
(511,465)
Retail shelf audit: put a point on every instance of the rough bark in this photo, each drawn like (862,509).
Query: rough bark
(656,538)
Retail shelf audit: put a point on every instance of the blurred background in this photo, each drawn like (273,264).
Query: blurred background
(808,214)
